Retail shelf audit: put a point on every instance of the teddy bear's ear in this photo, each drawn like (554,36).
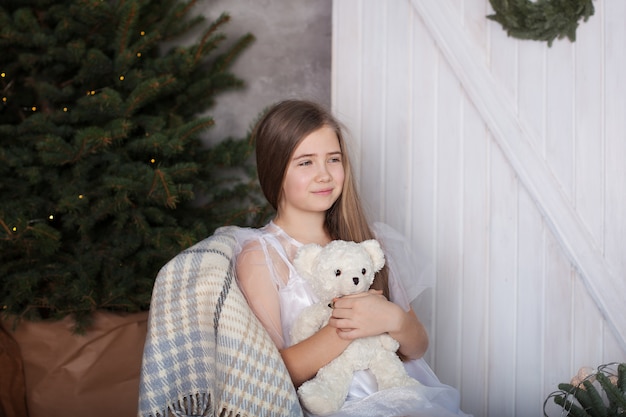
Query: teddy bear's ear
(305,257)
(376,253)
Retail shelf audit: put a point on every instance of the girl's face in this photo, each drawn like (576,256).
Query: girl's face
(314,177)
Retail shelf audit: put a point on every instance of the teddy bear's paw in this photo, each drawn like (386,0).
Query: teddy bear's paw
(407,381)
(388,342)
(387,382)
(390,372)
(320,400)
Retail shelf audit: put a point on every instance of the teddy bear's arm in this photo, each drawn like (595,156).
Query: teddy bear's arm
(310,321)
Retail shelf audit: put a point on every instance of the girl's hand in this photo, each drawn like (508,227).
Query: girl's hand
(364,314)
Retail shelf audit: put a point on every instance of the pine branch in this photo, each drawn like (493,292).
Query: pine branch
(202,48)
(130,14)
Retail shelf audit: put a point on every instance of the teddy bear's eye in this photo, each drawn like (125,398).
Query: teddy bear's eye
(337,272)
(363,271)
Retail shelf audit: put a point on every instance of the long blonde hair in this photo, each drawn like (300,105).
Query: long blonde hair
(277,134)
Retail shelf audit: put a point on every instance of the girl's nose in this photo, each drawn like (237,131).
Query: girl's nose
(323,174)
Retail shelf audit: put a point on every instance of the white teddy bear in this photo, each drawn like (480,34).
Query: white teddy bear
(337,269)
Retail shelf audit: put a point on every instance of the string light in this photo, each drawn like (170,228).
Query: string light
(152,161)
(14,228)
(4,99)
(65,109)
(51,217)
(33,108)
(142,33)
(138,54)
(80,196)
(3,74)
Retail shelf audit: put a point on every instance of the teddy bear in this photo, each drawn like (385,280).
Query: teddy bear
(342,268)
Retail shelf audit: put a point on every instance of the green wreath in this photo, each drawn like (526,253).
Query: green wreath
(542,20)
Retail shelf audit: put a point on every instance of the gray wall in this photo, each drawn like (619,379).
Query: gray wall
(291,57)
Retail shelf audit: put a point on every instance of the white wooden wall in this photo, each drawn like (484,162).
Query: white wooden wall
(504,161)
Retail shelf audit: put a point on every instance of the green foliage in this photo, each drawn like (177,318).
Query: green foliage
(600,394)
(542,20)
(104,174)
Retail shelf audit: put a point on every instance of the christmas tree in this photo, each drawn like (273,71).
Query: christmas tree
(104,173)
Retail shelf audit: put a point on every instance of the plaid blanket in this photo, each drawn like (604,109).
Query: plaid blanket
(206,354)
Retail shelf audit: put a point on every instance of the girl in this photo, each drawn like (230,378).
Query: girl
(305,174)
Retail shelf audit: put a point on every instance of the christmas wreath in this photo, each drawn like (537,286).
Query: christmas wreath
(543,20)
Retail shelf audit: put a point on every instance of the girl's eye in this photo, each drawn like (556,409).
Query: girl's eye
(335,160)
(337,272)
(304,163)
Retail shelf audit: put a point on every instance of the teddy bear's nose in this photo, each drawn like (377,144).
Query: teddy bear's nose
(355,280)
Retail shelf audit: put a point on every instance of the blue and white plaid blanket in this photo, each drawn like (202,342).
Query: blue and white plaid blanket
(206,354)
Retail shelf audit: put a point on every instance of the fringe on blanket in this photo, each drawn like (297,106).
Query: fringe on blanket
(199,405)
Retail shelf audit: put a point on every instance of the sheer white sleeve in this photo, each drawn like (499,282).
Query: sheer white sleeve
(410,273)
(259,274)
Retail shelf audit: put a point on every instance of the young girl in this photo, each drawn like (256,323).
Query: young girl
(305,174)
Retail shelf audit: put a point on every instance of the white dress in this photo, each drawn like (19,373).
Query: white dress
(275,280)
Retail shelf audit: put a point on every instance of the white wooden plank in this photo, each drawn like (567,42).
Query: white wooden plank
(558,324)
(615,143)
(397,111)
(531,96)
(449,228)
(422,201)
(503,303)
(589,138)
(530,309)
(502,284)
(373,107)
(475,357)
(559,149)
(587,328)
(611,349)
(512,134)
(474,21)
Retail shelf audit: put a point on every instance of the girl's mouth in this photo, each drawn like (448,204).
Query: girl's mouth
(323,192)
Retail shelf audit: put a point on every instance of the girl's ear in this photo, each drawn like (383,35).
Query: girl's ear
(376,253)
(306,257)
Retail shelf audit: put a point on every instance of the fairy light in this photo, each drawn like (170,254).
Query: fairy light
(153,161)
(142,33)
(51,217)
(4,99)
(34,108)
(14,229)
(65,109)
(138,54)
(3,74)
(80,196)
(121,78)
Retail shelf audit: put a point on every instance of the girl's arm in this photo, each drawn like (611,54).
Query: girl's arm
(257,271)
(370,314)
(304,359)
